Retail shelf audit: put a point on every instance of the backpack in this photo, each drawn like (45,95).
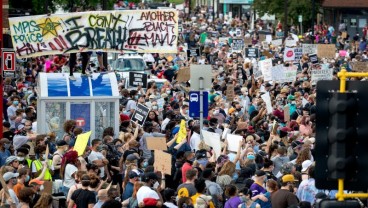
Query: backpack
(123,101)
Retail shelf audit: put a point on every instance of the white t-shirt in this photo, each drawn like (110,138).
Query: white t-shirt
(194,141)
(13,197)
(97,156)
(146,192)
(69,181)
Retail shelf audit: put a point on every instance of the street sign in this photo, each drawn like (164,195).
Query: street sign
(198,71)
(300,18)
(194,104)
(140,114)
(8,60)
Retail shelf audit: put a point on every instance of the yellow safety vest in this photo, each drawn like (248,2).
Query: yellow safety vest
(29,161)
(38,165)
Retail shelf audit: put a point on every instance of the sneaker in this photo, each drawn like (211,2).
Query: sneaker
(72,78)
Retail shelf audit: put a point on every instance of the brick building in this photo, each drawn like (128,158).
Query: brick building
(353,12)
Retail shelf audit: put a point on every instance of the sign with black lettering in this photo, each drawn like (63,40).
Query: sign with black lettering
(252,52)
(140,114)
(238,45)
(313,58)
(193,53)
(137,79)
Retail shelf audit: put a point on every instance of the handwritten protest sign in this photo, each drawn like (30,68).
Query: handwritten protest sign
(277,72)
(359,66)
(183,74)
(265,67)
(162,162)
(212,140)
(247,41)
(290,43)
(321,74)
(287,113)
(143,31)
(276,42)
(289,73)
(230,92)
(326,50)
(156,143)
(289,54)
(233,142)
(81,142)
(309,48)
(269,39)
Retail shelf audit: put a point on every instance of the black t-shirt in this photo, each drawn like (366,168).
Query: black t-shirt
(9,135)
(82,198)
(169,74)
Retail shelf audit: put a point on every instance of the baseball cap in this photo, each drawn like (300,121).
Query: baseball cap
(201,154)
(36,181)
(260,173)
(287,168)
(134,173)
(9,175)
(295,144)
(149,176)
(288,178)
(132,157)
(20,126)
(10,160)
(61,143)
(306,164)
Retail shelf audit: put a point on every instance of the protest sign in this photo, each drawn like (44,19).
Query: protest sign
(238,44)
(225,133)
(261,37)
(162,162)
(138,31)
(183,74)
(321,74)
(290,43)
(137,79)
(277,72)
(212,140)
(233,142)
(289,73)
(344,35)
(326,50)
(276,42)
(313,58)
(265,45)
(156,143)
(287,113)
(280,34)
(182,134)
(309,48)
(304,102)
(359,66)
(223,41)
(298,51)
(267,99)
(289,54)
(81,142)
(265,67)
(193,53)
(257,73)
(252,52)
(230,92)
(140,114)
(269,39)
(248,41)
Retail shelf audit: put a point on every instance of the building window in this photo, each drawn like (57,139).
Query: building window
(353,22)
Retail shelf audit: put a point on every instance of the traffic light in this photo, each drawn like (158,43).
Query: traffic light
(341,148)
(338,204)
(342,135)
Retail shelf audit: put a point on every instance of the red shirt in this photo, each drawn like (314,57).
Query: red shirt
(184,170)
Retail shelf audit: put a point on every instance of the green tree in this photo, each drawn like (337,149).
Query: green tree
(295,8)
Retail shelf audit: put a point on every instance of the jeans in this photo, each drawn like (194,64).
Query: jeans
(65,190)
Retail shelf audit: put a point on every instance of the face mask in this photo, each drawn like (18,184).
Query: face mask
(244,199)
(155,185)
(15,102)
(236,113)
(235,176)
(15,181)
(136,97)
(145,164)
(7,146)
(27,178)
(216,112)
(154,107)
(251,157)
(20,159)
(41,188)
(44,156)
(187,111)
(168,92)
(203,162)
(29,91)
(293,102)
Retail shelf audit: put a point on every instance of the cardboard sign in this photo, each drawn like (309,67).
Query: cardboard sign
(230,92)
(298,51)
(326,50)
(212,140)
(344,35)
(289,54)
(251,52)
(287,113)
(290,43)
(162,162)
(140,114)
(313,58)
(137,79)
(238,44)
(265,67)
(275,125)
(359,66)
(276,42)
(193,53)
(309,48)
(233,142)
(265,45)
(183,74)
(321,74)
(262,37)
(267,99)
(108,31)
(81,142)
(248,41)
(156,143)
(47,187)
